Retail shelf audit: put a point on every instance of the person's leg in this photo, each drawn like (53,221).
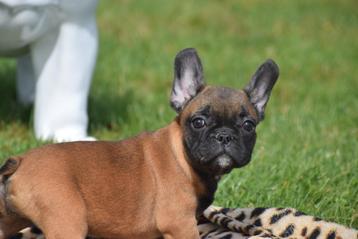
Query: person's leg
(64,60)
(25,80)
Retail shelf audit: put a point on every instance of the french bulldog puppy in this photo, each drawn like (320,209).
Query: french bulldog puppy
(149,186)
(55,44)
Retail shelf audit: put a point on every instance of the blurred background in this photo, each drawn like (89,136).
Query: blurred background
(306,154)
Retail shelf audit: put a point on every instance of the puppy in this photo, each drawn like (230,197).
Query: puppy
(55,43)
(149,186)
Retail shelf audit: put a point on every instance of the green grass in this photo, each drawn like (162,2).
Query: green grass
(306,154)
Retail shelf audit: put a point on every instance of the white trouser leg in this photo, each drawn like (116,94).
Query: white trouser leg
(64,59)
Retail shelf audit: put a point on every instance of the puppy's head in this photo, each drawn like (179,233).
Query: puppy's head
(218,123)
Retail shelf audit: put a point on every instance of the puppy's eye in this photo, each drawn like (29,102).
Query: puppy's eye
(248,126)
(198,123)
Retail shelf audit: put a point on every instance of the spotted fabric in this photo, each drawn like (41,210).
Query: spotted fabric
(273,223)
(253,223)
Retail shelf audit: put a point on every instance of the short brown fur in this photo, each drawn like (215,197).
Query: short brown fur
(218,97)
(89,182)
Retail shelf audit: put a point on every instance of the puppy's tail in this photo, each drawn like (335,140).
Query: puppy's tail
(6,170)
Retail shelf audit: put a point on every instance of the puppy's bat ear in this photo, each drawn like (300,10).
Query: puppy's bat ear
(188,78)
(261,84)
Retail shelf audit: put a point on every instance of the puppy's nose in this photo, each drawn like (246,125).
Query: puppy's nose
(224,138)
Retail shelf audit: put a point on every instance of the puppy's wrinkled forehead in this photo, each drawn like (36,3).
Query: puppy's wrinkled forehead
(226,102)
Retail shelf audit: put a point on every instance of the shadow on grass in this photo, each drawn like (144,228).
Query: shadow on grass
(10,109)
(108,110)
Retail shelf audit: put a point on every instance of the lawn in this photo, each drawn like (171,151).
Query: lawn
(306,154)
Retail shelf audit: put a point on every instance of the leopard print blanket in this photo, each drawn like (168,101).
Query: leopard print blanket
(253,223)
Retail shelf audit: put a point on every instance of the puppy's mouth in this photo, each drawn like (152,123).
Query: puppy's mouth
(222,164)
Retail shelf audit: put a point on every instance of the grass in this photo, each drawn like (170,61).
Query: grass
(306,154)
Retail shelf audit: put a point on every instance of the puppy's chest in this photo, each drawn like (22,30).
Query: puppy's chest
(204,202)
(205,196)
